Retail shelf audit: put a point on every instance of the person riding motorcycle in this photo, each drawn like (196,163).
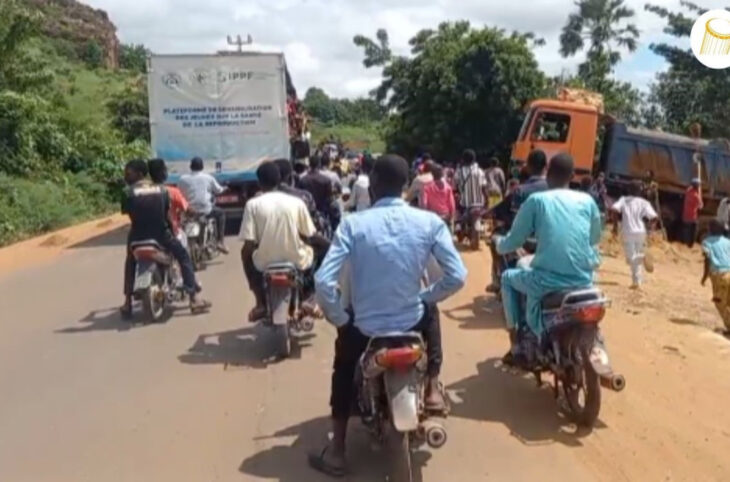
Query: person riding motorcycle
(148,207)
(287,186)
(276,228)
(504,213)
(322,189)
(386,249)
(178,204)
(567,226)
(199,189)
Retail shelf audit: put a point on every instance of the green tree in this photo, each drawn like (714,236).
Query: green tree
(688,92)
(134,57)
(601,27)
(92,54)
(319,105)
(129,110)
(330,111)
(461,87)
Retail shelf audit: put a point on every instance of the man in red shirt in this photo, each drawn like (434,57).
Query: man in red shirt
(690,213)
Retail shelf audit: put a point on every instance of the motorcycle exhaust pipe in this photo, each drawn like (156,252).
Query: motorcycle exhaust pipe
(435,433)
(613,382)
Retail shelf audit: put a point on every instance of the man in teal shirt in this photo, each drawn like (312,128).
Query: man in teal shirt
(716,248)
(567,226)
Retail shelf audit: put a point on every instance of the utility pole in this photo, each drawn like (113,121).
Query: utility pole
(239,42)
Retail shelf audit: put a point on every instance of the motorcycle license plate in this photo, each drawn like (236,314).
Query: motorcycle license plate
(229,199)
(143,280)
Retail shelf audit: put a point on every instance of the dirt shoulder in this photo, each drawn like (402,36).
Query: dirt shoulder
(670,423)
(42,249)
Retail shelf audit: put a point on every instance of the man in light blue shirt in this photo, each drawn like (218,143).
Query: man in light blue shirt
(200,189)
(387,248)
(567,225)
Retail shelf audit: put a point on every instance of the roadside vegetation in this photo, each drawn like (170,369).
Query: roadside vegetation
(61,151)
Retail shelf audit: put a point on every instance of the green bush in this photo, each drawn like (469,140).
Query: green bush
(30,207)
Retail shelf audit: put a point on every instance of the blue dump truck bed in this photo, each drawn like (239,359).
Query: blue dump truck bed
(629,153)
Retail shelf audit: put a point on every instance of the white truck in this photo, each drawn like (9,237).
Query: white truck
(230,109)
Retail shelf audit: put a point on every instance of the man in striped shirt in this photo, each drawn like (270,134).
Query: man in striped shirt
(471,182)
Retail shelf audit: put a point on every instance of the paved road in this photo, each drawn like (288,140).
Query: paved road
(86,397)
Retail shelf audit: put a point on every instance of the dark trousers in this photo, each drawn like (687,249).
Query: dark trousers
(174,247)
(351,344)
(255,279)
(220,219)
(689,233)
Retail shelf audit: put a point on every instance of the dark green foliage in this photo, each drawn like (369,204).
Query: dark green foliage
(462,87)
(129,110)
(601,28)
(92,54)
(60,157)
(688,92)
(134,58)
(329,111)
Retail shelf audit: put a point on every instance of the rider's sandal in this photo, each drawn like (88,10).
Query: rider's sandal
(126,313)
(318,462)
(200,306)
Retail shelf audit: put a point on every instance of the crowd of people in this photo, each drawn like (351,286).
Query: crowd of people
(363,232)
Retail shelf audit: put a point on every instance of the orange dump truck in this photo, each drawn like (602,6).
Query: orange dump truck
(572,123)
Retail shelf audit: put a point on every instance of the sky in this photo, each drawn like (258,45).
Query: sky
(316,35)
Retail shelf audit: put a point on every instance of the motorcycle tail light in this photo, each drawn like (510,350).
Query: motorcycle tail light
(148,254)
(399,358)
(279,280)
(589,314)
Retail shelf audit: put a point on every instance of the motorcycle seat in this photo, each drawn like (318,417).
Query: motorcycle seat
(146,243)
(555,300)
(150,249)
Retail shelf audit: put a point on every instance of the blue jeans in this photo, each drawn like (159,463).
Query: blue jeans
(534,285)
(516,283)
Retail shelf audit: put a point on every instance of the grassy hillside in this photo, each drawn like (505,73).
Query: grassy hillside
(354,137)
(61,157)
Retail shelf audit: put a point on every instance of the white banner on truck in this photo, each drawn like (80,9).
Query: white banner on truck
(229,110)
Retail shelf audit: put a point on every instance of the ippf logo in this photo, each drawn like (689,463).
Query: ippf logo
(171,80)
(710,39)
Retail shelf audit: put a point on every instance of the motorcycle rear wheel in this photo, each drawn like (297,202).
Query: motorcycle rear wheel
(584,397)
(154,300)
(284,340)
(402,469)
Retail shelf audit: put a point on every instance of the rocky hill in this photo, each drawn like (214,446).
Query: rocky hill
(77,25)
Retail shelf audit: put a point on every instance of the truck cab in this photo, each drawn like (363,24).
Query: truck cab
(556,126)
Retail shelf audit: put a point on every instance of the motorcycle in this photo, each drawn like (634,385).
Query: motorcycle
(202,234)
(283,284)
(572,350)
(470,227)
(391,384)
(157,281)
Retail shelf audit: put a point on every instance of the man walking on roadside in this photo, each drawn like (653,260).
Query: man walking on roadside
(690,212)
(632,211)
(716,248)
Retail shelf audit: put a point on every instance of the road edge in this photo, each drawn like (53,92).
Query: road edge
(44,248)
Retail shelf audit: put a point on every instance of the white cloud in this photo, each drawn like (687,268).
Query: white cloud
(316,35)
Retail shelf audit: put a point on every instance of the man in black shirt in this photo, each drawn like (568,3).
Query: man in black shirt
(147,206)
(504,213)
(322,189)
(287,185)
